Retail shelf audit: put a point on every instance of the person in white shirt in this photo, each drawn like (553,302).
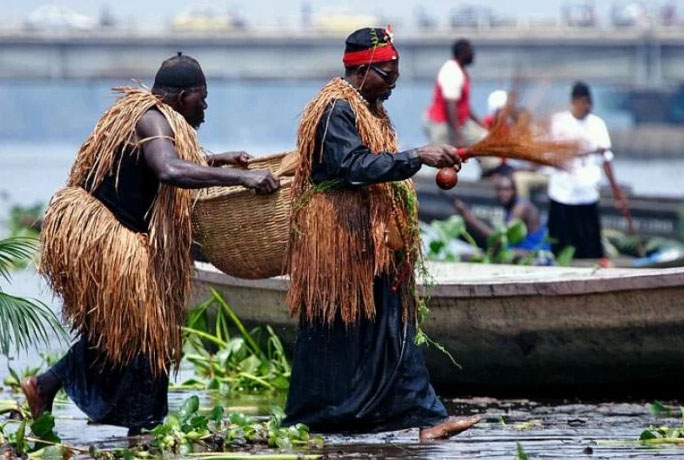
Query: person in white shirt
(574,193)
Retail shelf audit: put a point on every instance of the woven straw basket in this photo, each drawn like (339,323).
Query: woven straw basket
(244,234)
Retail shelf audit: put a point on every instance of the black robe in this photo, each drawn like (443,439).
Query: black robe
(129,396)
(369,376)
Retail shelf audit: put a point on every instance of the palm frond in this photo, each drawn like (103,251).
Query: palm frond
(25,323)
(13,251)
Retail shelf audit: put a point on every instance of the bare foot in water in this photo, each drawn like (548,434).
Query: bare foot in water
(449,427)
(38,403)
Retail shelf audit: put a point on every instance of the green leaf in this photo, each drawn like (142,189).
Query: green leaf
(436,246)
(516,231)
(318,441)
(13,373)
(505,256)
(565,256)
(172,422)
(199,422)
(239,419)
(278,415)
(520,452)
(283,442)
(44,426)
(11,382)
(658,409)
(250,364)
(189,408)
(127,454)
(280,382)
(646,435)
(217,414)
(19,435)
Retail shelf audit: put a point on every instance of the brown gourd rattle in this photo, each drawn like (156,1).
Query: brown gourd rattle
(447,178)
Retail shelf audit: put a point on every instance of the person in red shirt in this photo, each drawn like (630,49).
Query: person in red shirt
(450,119)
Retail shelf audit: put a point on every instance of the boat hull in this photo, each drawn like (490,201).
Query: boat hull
(521,329)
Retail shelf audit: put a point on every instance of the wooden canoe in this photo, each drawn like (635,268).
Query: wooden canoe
(517,329)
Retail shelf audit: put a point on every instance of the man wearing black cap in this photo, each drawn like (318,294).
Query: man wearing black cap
(116,248)
(354,246)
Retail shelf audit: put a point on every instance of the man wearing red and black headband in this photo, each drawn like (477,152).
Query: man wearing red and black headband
(353,250)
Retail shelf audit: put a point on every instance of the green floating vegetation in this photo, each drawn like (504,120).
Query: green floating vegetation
(663,434)
(441,233)
(33,438)
(188,432)
(230,359)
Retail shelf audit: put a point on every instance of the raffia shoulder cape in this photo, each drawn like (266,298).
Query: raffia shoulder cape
(125,291)
(339,236)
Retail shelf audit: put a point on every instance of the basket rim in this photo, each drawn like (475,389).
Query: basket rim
(272,156)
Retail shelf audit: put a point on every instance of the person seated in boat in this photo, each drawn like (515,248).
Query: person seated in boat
(354,244)
(515,208)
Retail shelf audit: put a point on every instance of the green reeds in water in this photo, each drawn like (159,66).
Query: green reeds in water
(229,358)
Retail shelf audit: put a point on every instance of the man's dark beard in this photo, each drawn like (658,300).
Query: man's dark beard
(384,96)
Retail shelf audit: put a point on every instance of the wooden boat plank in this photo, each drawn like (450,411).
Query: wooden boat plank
(483,280)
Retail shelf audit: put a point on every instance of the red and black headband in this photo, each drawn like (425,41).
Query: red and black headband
(369,46)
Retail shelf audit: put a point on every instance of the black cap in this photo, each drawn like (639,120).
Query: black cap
(580,89)
(366,38)
(180,72)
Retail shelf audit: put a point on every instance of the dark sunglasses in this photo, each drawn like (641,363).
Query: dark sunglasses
(390,78)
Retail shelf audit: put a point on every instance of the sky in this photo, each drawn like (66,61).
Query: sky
(273,12)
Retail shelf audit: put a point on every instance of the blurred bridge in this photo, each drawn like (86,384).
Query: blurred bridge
(631,57)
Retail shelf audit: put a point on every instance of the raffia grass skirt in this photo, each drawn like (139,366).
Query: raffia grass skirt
(106,276)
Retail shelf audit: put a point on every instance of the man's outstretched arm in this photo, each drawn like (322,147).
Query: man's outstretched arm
(346,156)
(160,154)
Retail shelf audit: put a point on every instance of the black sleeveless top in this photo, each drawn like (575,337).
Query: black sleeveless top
(132,197)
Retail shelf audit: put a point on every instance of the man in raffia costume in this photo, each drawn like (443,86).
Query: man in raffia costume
(116,248)
(353,248)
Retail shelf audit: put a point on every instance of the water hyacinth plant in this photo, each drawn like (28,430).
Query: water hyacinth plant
(229,358)
(190,430)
